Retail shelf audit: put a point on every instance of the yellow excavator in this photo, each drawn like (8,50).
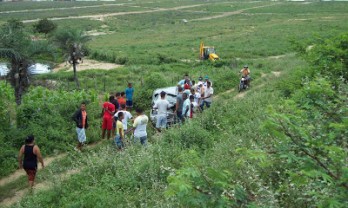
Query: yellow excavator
(207,52)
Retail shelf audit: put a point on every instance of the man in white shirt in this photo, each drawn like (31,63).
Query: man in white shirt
(162,105)
(185,106)
(126,116)
(196,95)
(194,107)
(139,127)
(200,81)
(208,94)
(205,83)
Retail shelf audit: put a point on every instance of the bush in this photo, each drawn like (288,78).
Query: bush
(47,115)
(143,96)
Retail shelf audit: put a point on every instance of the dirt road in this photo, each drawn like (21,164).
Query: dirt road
(62,8)
(226,14)
(102,16)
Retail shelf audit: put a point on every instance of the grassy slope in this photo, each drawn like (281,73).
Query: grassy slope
(255,34)
(138,177)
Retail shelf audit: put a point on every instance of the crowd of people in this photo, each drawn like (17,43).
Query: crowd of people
(191,99)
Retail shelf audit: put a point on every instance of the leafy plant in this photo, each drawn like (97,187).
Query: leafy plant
(45,26)
(17,47)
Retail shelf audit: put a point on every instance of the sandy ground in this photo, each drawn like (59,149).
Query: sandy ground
(276,74)
(87,64)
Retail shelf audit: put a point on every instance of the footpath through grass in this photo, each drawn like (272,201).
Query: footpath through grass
(139,177)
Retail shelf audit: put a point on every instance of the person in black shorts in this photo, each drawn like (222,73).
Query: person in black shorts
(31,154)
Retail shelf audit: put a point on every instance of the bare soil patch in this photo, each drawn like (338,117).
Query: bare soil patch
(97,33)
(276,73)
(86,65)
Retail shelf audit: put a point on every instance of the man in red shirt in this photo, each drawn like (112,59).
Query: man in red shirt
(108,112)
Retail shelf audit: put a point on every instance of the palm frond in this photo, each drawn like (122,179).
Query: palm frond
(37,48)
(10,54)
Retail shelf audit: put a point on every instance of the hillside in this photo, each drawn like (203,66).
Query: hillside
(281,143)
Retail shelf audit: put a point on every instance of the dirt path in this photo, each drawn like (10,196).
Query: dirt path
(242,94)
(226,14)
(20,172)
(102,16)
(38,187)
(62,8)
(87,64)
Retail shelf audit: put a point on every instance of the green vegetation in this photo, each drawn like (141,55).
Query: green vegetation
(281,144)
(45,26)
(20,51)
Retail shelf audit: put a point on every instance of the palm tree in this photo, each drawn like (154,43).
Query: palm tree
(17,47)
(72,42)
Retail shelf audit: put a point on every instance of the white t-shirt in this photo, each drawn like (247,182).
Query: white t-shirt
(195,106)
(197,95)
(207,92)
(127,115)
(162,106)
(186,105)
(140,123)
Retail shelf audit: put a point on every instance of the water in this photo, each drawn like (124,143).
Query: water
(3,69)
(34,69)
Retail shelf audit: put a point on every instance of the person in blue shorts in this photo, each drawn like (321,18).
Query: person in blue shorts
(129,95)
(162,106)
(119,132)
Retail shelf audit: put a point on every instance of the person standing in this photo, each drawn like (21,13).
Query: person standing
(196,95)
(178,105)
(126,116)
(194,107)
(114,101)
(119,132)
(122,100)
(200,80)
(139,127)
(207,98)
(31,154)
(129,95)
(205,83)
(80,118)
(117,106)
(162,105)
(107,112)
(185,106)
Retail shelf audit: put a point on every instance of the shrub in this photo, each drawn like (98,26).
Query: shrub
(143,96)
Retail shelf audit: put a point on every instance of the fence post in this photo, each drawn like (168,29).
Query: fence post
(104,84)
